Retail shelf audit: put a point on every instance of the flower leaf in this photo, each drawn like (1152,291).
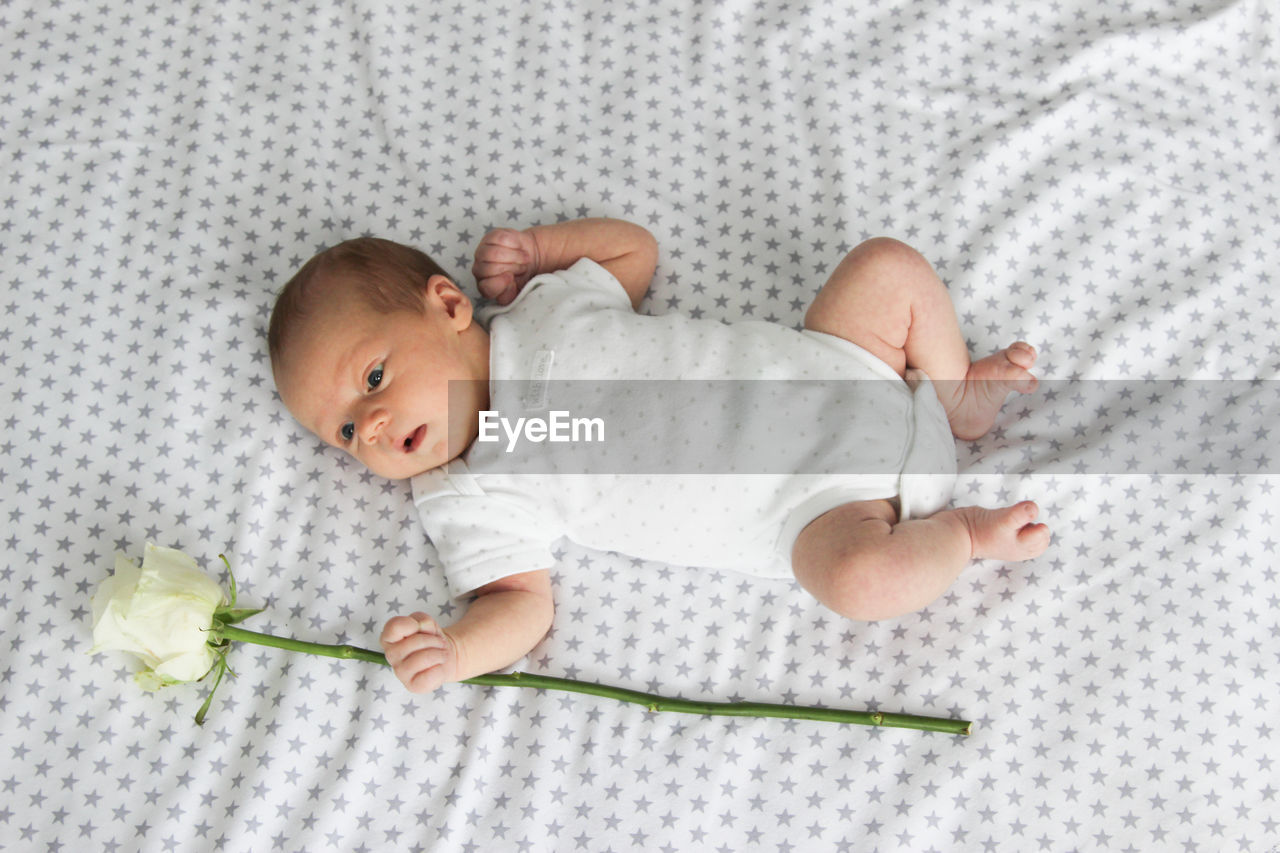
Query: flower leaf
(221,667)
(231,575)
(232,615)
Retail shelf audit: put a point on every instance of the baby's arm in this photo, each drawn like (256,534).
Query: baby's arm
(507,259)
(502,625)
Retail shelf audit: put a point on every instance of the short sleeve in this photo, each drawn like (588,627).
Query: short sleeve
(586,274)
(584,283)
(480,537)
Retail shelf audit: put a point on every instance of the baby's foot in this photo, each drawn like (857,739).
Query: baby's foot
(1008,533)
(972,405)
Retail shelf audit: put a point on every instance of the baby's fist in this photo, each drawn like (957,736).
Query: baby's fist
(505,260)
(422,655)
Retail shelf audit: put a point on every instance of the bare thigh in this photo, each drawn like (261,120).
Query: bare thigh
(862,563)
(825,545)
(886,298)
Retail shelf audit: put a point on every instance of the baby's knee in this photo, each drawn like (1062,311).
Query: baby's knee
(889,254)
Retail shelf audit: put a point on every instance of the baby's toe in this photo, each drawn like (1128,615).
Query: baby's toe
(1018,360)
(1026,511)
(1022,354)
(1033,540)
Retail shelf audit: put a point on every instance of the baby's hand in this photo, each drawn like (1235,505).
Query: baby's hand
(421,653)
(505,260)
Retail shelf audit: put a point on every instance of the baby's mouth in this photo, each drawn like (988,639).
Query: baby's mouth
(414,441)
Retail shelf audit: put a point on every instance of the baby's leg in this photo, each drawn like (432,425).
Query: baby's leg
(858,562)
(886,298)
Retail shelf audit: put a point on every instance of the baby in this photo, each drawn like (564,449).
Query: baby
(370,339)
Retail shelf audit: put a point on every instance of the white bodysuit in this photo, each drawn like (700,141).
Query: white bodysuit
(487,522)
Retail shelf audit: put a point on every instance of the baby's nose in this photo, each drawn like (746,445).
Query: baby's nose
(373,424)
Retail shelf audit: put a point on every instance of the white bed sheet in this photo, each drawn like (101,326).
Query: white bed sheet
(1098,180)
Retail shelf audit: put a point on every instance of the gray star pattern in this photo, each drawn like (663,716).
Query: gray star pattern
(1098,181)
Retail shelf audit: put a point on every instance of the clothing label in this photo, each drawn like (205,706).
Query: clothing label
(535,392)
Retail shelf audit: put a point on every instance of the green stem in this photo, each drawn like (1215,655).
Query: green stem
(231,632)
(651,702)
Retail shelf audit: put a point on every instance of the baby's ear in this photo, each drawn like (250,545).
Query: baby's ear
(442,291)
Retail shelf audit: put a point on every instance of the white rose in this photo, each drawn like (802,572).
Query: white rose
(161,613)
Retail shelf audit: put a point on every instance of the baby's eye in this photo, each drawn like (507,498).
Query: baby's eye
(348,431)
(375,377)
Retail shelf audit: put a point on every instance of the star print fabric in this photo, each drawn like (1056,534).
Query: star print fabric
(1099,180)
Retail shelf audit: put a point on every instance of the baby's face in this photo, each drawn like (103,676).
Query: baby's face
(378,385)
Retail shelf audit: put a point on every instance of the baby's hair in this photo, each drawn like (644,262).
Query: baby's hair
(388,276)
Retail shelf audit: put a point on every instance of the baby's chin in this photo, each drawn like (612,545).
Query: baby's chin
(410,466)
(401,472)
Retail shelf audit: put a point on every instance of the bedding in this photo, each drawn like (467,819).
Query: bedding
(1097,179)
